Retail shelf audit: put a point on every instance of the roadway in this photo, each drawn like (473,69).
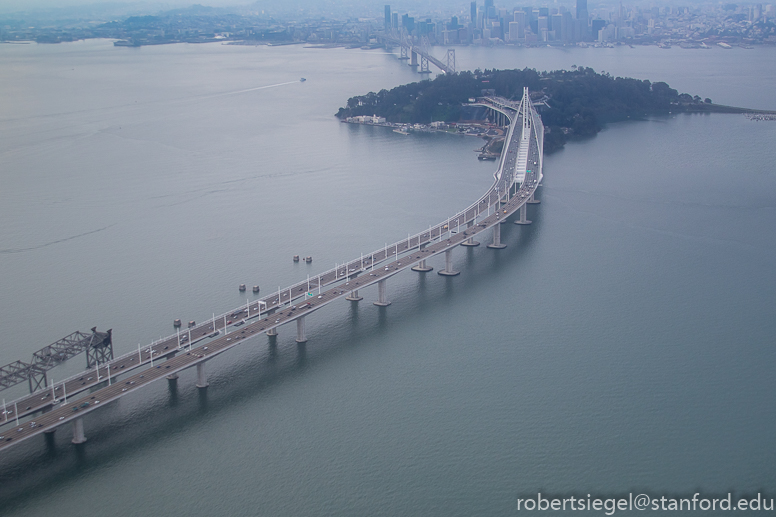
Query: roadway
(178,352)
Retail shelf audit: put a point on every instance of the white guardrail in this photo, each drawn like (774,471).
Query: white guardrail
(344,271)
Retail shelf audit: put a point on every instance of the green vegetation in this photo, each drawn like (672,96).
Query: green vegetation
(576,102)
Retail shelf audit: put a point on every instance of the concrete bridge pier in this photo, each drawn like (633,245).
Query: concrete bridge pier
(272,332)
(532,201)
(172,377)
(381,301)
(496,245)
(448,270)
(201,376)
(523,212)
(300,335)
(422,267)
(413,58)
(470,241)
(78,431)
(354,297)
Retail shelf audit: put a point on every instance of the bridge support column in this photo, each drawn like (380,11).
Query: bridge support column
(523,212)
(272,332)
(300,335)
(532,201)
(413,58)
(172,377)
(496,245)
(201,376)
(78,431)
(422,267)
(381,301)
(354,297)
(470,241)
(448,270)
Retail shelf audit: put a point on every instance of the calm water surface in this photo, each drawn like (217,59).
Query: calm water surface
(623,342)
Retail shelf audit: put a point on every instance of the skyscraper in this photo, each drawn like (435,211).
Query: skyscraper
(520,18)
(581,25)
(567,27)
(387,17)
(490,11)
(556,26)
(474,12)
(581,6)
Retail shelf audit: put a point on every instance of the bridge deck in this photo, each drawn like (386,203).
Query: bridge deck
(276,309)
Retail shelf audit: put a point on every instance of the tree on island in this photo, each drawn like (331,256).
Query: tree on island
(575,102)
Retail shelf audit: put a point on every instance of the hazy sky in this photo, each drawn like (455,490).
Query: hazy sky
(356,7)
(153,6)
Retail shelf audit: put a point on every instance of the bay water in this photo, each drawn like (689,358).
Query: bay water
(621,343)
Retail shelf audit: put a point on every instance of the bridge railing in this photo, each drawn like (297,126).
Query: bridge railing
(346,270)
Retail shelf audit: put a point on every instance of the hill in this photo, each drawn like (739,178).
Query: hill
(576,103)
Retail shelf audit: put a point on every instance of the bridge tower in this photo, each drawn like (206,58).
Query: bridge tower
(451,61)
(425,47)
(406,45)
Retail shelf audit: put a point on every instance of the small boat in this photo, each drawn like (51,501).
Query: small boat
(400,131)
(302,80)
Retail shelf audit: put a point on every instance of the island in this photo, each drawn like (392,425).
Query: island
(573,104)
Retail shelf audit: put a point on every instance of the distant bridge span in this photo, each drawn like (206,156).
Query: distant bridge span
(410,50)
(518,175)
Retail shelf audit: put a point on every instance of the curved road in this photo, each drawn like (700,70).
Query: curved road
(178,352)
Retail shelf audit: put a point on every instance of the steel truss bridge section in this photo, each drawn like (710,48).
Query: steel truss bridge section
(97,345)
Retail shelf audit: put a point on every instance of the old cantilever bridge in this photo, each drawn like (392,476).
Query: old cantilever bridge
(515,181)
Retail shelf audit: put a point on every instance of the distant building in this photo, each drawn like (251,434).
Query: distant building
(596,26)
(366,119)
(567,28)
(581,9)
(582,20)
(556,26)
(496,30)
(514,31)
(387,17)
(520,20)
(490,11)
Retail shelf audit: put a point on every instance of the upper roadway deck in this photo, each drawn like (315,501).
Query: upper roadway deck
(178,352)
